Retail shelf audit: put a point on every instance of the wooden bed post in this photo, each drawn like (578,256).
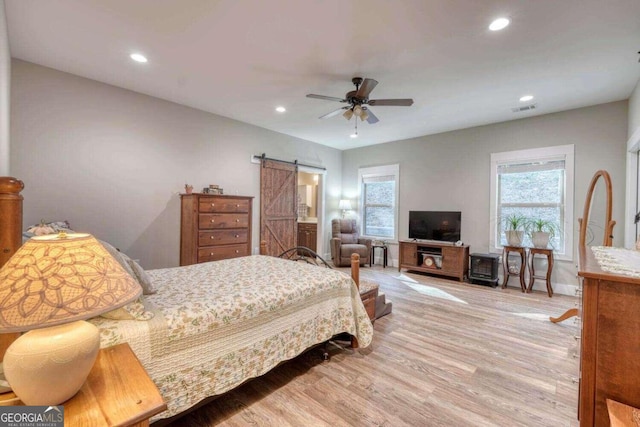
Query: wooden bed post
(10,217)
(10,233)
(355,269)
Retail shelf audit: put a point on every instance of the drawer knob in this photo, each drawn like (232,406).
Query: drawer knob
(237,251)
(213,220)
(237,220)
(238,205)
(237,235)
(213,204)
(211,254)
(211,237)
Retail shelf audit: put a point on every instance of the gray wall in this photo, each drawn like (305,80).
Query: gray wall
(5,83)
(451,171)
(112,161)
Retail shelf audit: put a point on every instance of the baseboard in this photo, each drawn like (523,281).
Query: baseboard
(539,285)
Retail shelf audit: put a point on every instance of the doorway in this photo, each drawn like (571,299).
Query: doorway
(309,210)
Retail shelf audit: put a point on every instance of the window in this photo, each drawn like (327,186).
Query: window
(536,184)
(379,201)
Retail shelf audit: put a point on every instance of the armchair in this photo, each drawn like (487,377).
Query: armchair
(346,240)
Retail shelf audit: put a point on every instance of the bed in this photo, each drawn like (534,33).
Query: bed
(216,325)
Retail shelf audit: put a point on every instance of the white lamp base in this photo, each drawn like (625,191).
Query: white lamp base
(48,366)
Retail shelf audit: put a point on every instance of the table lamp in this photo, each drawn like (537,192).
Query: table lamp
(345,205)
(48,287)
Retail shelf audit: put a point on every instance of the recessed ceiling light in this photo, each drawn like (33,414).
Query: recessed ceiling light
(499,24)
(526,98)
(281,109)
(138,57)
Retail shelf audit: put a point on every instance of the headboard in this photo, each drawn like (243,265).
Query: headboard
(10,233)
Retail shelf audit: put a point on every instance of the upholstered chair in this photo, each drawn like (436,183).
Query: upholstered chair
(346,240)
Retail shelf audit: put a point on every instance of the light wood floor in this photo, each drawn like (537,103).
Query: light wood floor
(450,354)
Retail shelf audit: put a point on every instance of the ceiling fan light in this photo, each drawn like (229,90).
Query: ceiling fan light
(364,116)
(348,114)
(357,110)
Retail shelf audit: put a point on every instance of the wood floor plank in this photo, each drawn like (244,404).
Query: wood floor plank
(450,354)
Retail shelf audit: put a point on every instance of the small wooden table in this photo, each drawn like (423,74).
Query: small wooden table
(523,265)
(117,391)
(384,254)
(532,277)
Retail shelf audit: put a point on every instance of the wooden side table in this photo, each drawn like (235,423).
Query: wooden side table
(118,392)
(523,265)
(547,277)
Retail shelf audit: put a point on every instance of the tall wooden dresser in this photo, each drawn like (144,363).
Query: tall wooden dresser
(214,227)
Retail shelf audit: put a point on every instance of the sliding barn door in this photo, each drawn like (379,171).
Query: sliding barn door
(278,206)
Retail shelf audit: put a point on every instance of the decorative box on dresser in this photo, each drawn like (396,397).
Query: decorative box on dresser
(610,340)
(214,227)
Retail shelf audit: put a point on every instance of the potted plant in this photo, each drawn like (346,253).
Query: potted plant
(541,231)
(515,225)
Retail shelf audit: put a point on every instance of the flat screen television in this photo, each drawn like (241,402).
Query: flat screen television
(435,225)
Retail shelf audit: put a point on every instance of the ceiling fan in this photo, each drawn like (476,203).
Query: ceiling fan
(358,100)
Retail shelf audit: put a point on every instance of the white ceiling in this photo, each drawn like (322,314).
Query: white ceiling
(242,58)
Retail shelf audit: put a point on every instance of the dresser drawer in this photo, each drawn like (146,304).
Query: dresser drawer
(222,204)
(303,226)
(222,237)
(216,253)
(229,220)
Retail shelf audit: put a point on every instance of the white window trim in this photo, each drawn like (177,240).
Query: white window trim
(563,152)
(375,171)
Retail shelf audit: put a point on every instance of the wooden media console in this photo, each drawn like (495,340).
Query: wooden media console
(443,259)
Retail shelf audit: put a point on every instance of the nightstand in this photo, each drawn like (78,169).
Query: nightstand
(118,392)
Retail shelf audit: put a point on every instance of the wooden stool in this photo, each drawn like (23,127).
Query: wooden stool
(532,276)
(523,265)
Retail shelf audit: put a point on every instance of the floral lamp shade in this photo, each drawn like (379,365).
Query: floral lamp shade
(53,280)
(48,287)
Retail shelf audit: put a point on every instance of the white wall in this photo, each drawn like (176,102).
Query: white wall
(5,84)
(112,161)
(634,110)
(451,171)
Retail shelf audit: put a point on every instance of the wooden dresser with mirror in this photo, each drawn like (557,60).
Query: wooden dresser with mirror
(609,312)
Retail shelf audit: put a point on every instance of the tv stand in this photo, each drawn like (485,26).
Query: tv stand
(438,258)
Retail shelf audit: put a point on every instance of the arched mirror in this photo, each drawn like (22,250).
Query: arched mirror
(596,225)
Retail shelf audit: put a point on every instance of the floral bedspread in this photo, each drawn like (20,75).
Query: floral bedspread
(218,324)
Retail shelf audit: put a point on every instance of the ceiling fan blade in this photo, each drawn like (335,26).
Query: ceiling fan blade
(333,113)
(328,98)
(395,102)
(372,117)
(365,88)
